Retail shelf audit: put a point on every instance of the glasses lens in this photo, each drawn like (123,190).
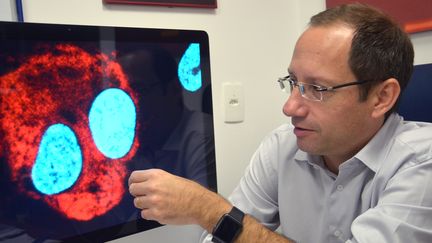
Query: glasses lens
(291,85)
(308,91)
(311,92)
(284,83)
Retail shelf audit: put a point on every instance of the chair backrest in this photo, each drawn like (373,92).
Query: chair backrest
(416,101)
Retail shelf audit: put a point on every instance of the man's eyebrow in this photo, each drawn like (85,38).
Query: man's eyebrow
(318,80)
(290,72)
(311,79)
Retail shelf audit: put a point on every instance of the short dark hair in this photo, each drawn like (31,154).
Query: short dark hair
(380,49)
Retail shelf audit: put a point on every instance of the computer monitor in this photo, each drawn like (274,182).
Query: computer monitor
(81,107)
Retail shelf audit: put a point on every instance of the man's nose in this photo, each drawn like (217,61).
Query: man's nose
(294,106)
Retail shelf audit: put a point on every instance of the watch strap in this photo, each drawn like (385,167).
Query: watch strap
(237,214)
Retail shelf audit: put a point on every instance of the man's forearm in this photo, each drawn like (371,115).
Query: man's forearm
(253,231)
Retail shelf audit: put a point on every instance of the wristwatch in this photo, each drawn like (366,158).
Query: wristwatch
(228,226)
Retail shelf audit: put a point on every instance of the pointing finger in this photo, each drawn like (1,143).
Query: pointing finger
(137,176)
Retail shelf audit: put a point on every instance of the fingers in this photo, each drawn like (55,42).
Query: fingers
(148,201)
(138,176)
(164,197)
(150,214)
(139,202)
(147,211)
(142,203)
(138,189)
(143,182)
(144,175)
(139,182)
(137,186)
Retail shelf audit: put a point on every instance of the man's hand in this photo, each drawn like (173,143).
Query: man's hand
(170,199)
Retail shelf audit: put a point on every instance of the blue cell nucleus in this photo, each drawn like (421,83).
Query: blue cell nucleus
(58,162)
(189,69)
(112,120)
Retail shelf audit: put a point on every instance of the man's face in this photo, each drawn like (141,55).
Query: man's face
(340,125)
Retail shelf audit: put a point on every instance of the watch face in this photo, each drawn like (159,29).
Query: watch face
(227,229)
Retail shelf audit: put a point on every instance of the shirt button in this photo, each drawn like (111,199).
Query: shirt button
(337,233)
(339,187)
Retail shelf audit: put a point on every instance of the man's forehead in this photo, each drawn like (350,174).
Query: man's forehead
(326,37)
(322,51)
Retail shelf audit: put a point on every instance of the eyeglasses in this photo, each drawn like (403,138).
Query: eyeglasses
(311,91)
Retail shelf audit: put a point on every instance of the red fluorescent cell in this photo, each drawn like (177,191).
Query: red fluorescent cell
(58,85)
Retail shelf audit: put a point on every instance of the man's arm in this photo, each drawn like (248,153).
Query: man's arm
(170,199)
(253,231)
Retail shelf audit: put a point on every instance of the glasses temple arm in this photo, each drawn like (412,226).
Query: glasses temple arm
(343,85)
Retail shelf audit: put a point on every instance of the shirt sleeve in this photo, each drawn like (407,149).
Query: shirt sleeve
(403,212)
(206,237)
(257,193)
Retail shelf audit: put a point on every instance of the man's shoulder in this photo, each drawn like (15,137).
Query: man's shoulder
(409,128)
(280,141)
(284,130)
(283,133)
(415,133)
(415,137)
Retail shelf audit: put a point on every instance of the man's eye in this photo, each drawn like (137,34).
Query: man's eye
(318,88)
(293,80)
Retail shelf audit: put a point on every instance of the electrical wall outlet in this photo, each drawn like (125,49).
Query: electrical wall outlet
(234,105)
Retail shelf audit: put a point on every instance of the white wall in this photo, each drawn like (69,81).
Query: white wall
(7,10)
(422,47)
(251,42)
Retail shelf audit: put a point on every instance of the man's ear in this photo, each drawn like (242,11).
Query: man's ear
(384,97)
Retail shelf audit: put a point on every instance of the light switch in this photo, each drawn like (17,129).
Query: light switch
(233,99)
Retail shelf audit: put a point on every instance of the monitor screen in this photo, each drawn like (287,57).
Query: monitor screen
(81,107)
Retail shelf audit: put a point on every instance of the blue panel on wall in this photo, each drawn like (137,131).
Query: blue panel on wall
(416,101)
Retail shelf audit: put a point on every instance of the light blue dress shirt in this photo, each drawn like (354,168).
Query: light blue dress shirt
(382,194)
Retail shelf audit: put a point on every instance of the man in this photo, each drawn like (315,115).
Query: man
(348,169)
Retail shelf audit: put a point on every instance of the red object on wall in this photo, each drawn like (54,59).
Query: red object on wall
(169,3)
(413,15)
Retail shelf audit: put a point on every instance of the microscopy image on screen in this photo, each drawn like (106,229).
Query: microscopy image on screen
(79,114)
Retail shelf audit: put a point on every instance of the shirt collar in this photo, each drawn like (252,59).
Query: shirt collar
(301,156)
(372,155)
